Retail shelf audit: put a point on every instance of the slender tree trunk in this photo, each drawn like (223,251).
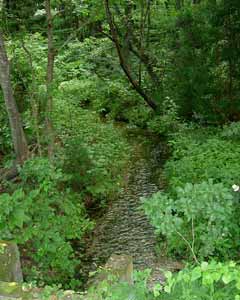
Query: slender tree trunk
(128,34)
(143,57)
(18,136)
(178,4)
(123,62)
(49,81)
(142,25)
(33,100)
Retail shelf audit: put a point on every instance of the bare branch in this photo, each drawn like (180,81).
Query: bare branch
(189,246)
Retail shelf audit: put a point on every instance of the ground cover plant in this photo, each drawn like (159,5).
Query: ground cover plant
(211,280)
(201,158)
(208,281)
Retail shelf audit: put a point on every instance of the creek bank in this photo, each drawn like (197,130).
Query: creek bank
(124,228)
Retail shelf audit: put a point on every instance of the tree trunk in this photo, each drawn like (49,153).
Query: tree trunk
(179,4)
(49,81)
(18,136)
(33,100)
(122,60)
(143,57)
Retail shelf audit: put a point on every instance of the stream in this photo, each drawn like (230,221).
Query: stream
(124,228)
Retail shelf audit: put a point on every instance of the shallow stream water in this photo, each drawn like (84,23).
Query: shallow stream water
(124,228)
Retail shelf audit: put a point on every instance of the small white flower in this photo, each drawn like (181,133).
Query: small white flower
(236,188)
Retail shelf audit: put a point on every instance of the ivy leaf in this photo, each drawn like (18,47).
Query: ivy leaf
(157,289)
(238,284)
(196,274)
(19,218)
(227,278)
(167,289)
(204,266)
(168,274)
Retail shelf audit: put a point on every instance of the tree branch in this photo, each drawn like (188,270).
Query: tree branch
(143,57)
(189,246)
(123,64)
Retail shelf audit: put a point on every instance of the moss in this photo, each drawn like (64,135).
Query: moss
(13,290)
(10,269)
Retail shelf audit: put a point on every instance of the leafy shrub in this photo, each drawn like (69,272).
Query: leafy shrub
(44,218)
(231,131)
(196,161)
(167,122)
(202,219)
(82,91)
(215,281)
(77,164)
(112,289)
(95,153)
(87,77)
(189,136)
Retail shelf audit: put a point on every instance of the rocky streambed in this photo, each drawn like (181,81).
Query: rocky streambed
(124,228)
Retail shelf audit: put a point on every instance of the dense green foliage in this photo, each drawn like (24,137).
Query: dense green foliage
(199,213)
(195,160)
(168,67)
(215,281)
(95,152)
(43,216)
(88,171)
(200,221)
(111,288)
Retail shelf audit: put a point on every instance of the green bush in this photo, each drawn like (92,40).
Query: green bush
(112,289)
(196,161)
(87,78)
(215,281)
(95,153)
(201,221)
(167,122)
(43,216)
(77,164)
(231,131)
(198,214)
